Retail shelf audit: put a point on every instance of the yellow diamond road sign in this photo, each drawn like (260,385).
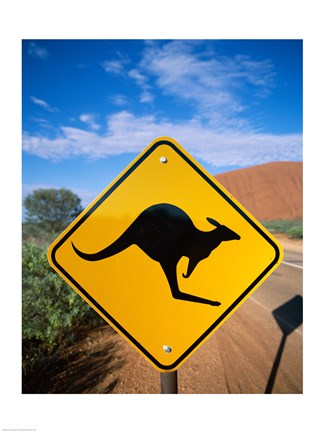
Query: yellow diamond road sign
(165,254)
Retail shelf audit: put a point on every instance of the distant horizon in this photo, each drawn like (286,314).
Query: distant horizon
(91,106)
(90,199)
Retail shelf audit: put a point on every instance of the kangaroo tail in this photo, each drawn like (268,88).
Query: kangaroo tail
(123,242)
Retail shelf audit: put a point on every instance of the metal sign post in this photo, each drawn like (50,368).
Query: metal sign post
(169,382)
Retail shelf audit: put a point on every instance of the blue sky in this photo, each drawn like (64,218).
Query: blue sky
(90,106)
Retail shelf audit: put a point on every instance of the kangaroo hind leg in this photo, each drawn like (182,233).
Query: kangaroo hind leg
(170,270)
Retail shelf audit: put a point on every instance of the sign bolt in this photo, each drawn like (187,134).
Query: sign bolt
(163,159)
(167,349)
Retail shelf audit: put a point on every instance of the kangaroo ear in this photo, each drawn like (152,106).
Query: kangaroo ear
(213,222)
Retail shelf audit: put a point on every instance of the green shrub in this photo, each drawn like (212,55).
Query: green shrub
(52,312)
(292,228)
(36,233)
(52,209)
(295,232)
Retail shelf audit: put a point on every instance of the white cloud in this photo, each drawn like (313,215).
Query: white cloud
(146,96)
(119,100)
(44,123)
(208,81)
(89,119)
(142,81)
(43,104)
(37,51)
(116,67)
(190,72)
(127,133)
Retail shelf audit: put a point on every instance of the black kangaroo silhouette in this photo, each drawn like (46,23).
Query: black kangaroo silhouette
(166,234)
